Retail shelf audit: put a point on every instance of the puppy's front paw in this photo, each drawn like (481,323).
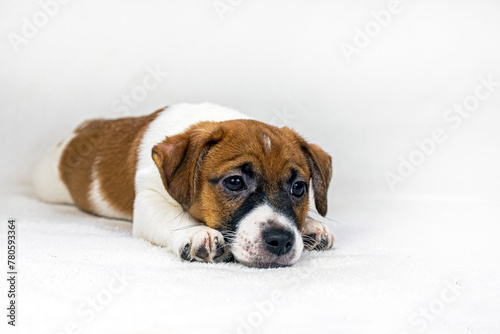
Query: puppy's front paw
(204,245)
(316,235)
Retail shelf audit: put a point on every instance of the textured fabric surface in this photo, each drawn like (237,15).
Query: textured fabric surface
(394,260)
(410,117)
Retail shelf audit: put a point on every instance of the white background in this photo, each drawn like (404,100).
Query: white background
(281,62)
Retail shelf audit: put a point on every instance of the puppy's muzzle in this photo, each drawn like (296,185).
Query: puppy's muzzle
(266,238)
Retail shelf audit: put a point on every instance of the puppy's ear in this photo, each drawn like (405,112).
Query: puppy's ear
(179,157)
(320,164)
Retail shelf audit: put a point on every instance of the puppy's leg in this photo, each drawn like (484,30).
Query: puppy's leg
(168,225)
(316,235)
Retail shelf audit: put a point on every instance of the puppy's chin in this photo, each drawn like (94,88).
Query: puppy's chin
(262,263)
(266,239)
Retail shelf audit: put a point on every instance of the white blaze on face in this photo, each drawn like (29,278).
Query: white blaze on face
(249,246)
(266,141)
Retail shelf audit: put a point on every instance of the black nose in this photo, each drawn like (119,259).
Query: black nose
(278,241)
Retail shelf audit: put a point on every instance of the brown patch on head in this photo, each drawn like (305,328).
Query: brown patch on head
(268,159)
(108,150)
(179,157)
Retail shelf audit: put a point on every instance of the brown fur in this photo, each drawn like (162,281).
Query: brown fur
(111,147)
(208,151)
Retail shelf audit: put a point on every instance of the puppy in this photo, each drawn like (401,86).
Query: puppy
(203,181)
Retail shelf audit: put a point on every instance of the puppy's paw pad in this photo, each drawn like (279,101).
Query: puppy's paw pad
(316,235)
(205,245)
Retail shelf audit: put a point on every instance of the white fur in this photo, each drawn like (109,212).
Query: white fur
(267,143)
(47,179)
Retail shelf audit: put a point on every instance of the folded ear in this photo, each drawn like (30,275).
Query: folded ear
(179,157)
(321,173)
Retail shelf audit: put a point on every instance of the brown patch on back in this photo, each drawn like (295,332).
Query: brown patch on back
(110,147)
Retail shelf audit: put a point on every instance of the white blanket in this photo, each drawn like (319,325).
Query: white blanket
(371,82)
(398,266)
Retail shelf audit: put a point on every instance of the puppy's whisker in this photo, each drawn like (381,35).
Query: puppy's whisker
(229,240)
(171,220)
(325,218)
(228,234)
(220,247)
(184,227)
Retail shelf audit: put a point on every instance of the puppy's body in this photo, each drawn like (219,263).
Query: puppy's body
(169,173)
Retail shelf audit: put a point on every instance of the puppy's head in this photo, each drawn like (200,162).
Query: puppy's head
(249,180)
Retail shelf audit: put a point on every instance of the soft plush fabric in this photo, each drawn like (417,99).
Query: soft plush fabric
(418,255)
(391,263)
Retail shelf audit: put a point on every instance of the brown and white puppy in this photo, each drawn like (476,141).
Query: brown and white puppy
(201,180)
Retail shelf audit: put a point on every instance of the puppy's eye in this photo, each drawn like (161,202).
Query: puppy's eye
(298,189)
(234,183)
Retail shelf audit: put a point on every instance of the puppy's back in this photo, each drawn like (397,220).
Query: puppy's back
(95,167)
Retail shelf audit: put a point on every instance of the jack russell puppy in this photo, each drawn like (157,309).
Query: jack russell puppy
(203,181)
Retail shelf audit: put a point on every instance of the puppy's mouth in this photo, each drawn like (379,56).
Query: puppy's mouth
(265,261)
(277,263)
(263,264)
(256,263)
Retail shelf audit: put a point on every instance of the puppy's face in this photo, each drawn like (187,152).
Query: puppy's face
(249,180)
